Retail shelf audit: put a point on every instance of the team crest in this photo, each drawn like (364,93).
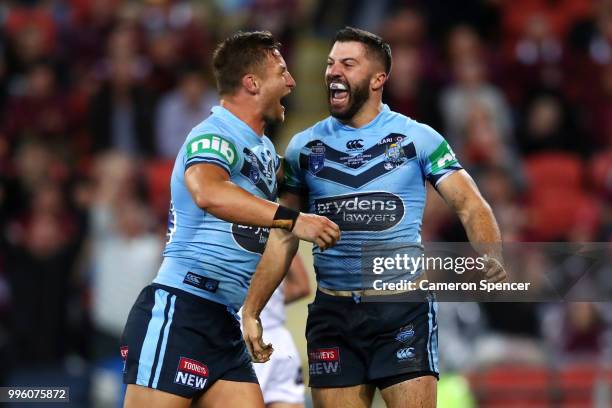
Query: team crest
(316,159)
(268,164)
(254,168)
(394,156)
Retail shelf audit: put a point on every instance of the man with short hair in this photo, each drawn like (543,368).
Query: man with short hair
(365,167)
(182,342)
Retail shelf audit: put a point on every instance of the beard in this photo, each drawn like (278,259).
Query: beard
(358,96)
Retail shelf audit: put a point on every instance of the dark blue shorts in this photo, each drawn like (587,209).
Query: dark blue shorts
(179,343)
(380,343)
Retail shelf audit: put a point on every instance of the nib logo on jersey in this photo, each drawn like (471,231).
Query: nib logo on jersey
(374,211)
(191,373)
(324,361)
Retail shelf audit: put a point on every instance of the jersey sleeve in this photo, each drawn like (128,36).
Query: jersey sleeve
(436,157)
(211,148)
(294,177)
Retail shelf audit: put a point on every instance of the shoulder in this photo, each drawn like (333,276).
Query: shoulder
(423,135)
(318,130)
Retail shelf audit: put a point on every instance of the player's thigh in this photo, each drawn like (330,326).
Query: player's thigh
(138,396)
(358,396)
(231,394)
(418,392)
(283,405)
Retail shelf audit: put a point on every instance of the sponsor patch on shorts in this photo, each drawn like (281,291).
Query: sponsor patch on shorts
(324,361)
(124,355)
(191,373)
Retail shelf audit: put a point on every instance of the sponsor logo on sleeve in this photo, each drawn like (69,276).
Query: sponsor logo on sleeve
(324,361)
(442,157)
(215,145)
(373,211)
(191,373)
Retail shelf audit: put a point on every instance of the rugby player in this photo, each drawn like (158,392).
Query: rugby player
(182,342)
(365,166)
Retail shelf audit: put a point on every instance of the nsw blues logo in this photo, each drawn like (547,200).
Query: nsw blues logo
(254,169)
(316,159)
(267,159)
(405,334)
(394,156)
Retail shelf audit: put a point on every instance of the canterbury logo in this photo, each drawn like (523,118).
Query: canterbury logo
(405,353)
(354,144)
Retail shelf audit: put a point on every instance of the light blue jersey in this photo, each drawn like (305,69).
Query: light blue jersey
(368,180)
(204,255)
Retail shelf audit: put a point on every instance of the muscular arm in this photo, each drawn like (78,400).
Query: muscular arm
(462,195)
(212,190)
(272,267)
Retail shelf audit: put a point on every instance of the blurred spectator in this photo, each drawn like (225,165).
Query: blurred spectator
(125,255)
(180,110)
(406,29)
(32,36)
(121,112)
(549,124)
(578,330)
(165,59)
(124,259)
(470,87)
(46,292)
(535,60)
(41,110)
(280,17)
(84,37)
(498,187)
(408,92)
(598,112)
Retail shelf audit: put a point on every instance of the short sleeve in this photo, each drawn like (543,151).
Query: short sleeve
(211,148)
(436,157)
(294,177)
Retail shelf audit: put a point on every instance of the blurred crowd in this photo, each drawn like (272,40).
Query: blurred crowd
(96,97)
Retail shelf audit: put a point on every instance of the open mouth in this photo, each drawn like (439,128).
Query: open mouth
(281,101)
(338,93)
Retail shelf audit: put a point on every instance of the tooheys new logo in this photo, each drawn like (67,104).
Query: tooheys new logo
(374,211)
(324,361)
(212,144)
(191,373)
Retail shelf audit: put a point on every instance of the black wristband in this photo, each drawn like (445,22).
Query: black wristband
(285,215)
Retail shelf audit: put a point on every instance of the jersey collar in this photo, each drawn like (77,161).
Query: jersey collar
(245,130)
(385,109)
